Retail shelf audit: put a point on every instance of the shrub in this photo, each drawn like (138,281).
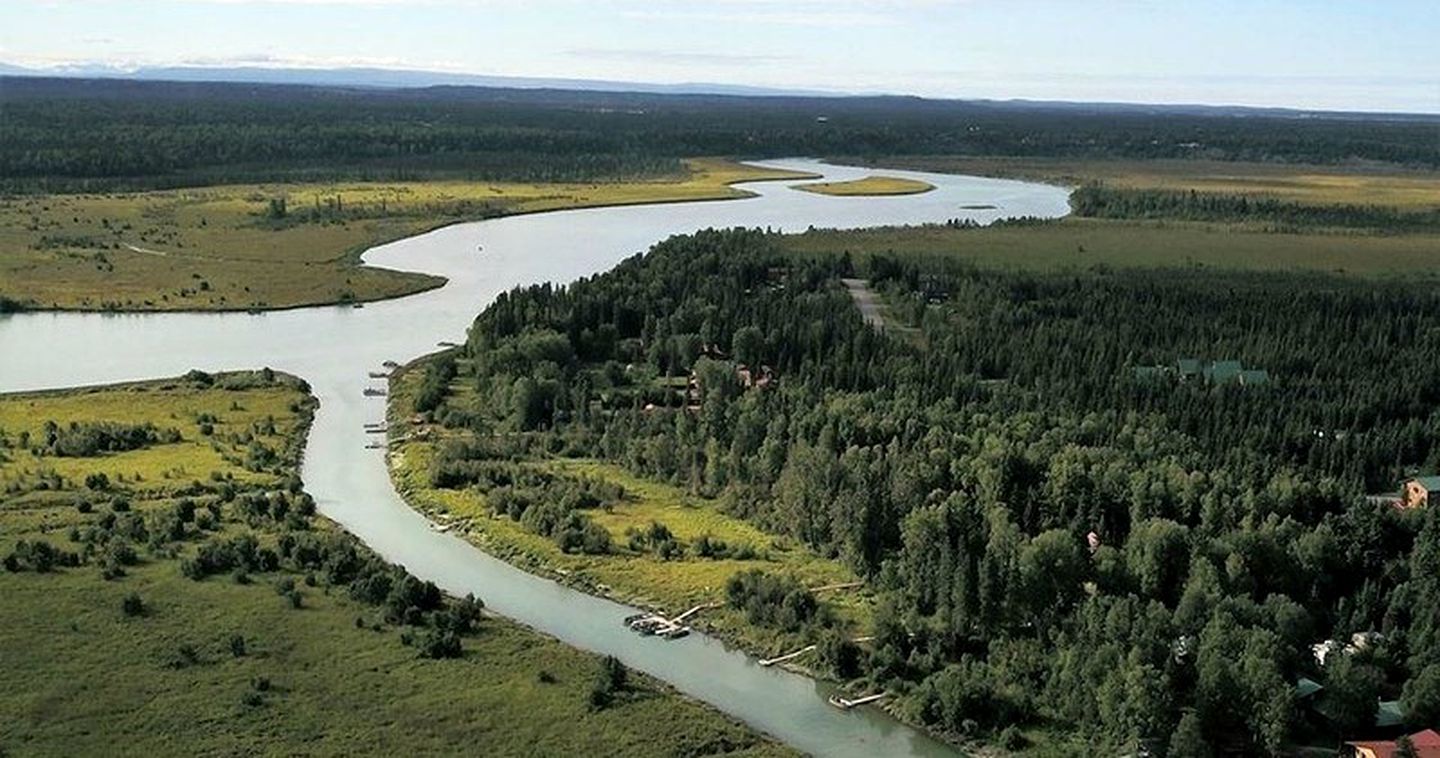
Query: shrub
(132,605)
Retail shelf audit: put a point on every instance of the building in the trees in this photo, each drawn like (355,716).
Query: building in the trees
(1426,743)
(1210,372)
(1420,491)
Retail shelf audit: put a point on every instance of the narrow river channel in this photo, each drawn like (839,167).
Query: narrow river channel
(334,347)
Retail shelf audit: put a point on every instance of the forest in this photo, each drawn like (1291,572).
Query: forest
(1068,530)
(105,135)
(1096,201)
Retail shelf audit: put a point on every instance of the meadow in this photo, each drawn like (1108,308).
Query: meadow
(129,655)
(870,186)
(265,246)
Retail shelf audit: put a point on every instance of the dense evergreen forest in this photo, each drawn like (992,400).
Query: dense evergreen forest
(1066,528)
(1098,201)
(70,135)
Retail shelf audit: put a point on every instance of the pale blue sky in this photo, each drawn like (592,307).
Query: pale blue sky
(1378,55)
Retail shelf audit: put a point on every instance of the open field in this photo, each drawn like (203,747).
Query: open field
(870,186)
(1080,244)
(1359,185)
(84,676)
(259,246)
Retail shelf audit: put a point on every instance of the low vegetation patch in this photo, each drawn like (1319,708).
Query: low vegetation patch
(262,246)
(145,594)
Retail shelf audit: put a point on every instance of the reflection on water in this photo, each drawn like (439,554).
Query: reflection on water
(334,347)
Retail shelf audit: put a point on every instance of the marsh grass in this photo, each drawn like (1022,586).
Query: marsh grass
(85,677)
(232,248)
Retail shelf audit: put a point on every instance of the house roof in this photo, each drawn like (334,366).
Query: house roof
(1428,482)
(1305,687)
(1223,371)
(1254,376)
(1389,713)
(1427,745)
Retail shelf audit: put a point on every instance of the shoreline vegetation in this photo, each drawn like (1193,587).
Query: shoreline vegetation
(278,246)
(156,532)
(637,571)
(870,186)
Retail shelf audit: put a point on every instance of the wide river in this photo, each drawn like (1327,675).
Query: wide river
(333,348)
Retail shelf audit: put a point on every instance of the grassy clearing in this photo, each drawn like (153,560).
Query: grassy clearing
(230,248)
(640,578)
(85,678)
(870,186)
(1357,185)
(1082,244)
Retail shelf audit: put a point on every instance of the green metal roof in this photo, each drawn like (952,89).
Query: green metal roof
(1188,365)
(1389,713)
(1429,482)
(1250,377)
(1305,687)
(1224,371)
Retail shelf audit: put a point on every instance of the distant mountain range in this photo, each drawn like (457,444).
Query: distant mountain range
(442,81)
(390,78)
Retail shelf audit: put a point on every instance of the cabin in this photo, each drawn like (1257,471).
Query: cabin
(1426,744)
(1419,492)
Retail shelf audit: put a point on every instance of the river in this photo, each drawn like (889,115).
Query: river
(333,347)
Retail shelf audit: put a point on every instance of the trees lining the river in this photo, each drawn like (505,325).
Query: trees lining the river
(1066,526)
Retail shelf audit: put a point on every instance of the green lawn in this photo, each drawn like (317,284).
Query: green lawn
(82,677)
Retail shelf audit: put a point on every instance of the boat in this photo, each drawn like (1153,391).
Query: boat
(390,364)
(676,632)
(632,618)
(374,392)
(379,375)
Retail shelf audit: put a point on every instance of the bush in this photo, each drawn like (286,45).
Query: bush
(132,605)
(237,645)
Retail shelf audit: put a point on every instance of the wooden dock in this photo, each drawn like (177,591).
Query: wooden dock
(845,705)
(767,662)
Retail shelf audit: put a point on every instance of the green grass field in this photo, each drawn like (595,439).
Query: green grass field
(1083,244)
(870,186)
(221,248)
(84,678)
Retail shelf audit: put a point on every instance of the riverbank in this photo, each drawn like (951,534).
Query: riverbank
(631,573)
(277,246)
(269,650)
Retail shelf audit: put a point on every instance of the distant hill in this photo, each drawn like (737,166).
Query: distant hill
(389,78)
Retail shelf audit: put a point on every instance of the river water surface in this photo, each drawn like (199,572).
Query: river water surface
(333,347)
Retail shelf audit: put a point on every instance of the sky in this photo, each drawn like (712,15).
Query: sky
(1376,55)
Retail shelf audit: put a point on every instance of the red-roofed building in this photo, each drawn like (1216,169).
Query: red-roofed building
(1427,745)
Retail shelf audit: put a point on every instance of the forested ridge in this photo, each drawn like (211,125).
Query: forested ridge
(1058,539)
(78,135)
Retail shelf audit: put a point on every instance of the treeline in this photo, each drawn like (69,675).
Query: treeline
(81,135)
(1106,202)
(1055,539)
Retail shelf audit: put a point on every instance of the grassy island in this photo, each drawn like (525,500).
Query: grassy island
(870,186)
